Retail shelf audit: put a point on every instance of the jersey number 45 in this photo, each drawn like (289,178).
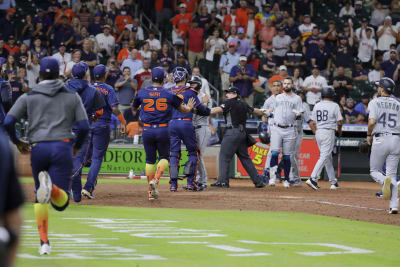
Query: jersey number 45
(159,104)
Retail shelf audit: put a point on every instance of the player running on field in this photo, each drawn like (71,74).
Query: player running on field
(51,110)
(100,129)
(157,104)
(326,114)
(384,136)
(181,129)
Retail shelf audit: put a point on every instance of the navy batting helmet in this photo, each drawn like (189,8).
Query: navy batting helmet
(180,74)
(263,132)
(328,92)
(387,84)
(196,81)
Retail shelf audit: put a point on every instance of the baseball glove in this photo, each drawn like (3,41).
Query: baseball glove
(364,147)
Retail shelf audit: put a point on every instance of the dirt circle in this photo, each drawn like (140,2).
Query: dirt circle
(354,200)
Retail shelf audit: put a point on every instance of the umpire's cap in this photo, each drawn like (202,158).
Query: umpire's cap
(49,65)
(79,70)
(327,92)
(387,84)
(158,74)
(233,89)
(100,71)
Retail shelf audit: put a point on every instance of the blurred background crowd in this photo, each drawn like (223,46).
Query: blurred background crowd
(248,43)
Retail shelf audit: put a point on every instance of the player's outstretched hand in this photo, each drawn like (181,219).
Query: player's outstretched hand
(296,112)
(190,104)
(122,130)
(266,112)
(23,147)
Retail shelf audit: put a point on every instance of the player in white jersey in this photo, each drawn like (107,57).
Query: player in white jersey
(384,136)
(326,114)
(270,104)
(295,178)
(288,109)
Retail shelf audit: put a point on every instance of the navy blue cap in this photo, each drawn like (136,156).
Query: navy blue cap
(79,70)
(158,74)
(2,60)
(99,71)
(49,65)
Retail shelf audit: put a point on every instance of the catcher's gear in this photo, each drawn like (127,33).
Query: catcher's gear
(328,92)
(190,168)
(173,171)
(263,132)
(387,84)
(364,147)
(195,83)
(180,74)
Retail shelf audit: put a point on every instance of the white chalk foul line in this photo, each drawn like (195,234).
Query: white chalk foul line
(342,205)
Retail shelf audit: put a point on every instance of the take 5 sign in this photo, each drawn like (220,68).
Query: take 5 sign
(308,157)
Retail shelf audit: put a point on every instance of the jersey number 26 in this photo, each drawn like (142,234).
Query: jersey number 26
(160,104)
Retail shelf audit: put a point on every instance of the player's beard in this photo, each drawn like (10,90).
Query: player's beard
(287,89)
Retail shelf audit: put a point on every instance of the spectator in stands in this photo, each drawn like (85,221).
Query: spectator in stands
(192,5)
(243,46)
(387,34)
(361,33)
(252,27)
(348,33)
(154,62)
(133,63)
(205,88)
(294,58)
(76,25)
(268,65)
(215,47)
(143,75)
(145,51)
(302,8)
(331,36)
(181,62)
(39,50)
(166,56)
(194,43)
(280,45)
(10,64)
(39,33)
(242,76)
(64,11)
(80,37)
(322,58)
(155,44)
(63,58)
(113,73)
(352,116)
(214,24)
(280,76)
(388,67)
(63,33)
(375,74)
(135,27)
(22,56)
(123,19)
(11,46)
(311,47)
(297,79)
(88,56)
(366,50)
(306,28)
(359,10)
(29,28)
(386,55)
(126,88)
(181,23)
(359,74)
(32,69)
(7,24)
(266,34)
(292,29)
(224,3)
(96,27)
(230,20)
(242,13)
(18,88)
(85,16)
(105,43)
(3,52)
(266,13)
(313,85)
(124,53)
(347,10)
(377,16)
(233,37)
(223,12)
(44,19)
(362,107)
(341,83)
(124,37)
(344,56)
(227,62)
(76,57)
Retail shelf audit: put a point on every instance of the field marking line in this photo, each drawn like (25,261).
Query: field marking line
(342,205)
(188,242)
(229,248)
(249,254)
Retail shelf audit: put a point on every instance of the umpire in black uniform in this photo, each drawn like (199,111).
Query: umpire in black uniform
(234,140)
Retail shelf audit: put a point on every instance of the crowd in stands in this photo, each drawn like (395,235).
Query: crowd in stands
(348,45)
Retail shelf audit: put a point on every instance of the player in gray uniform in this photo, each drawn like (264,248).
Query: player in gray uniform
(384,136)
(270,104)
(326,114)
(287,110)
(295,178)
(203,132)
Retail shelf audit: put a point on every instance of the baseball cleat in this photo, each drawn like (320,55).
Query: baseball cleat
(87,194)
(154,191)
(43,193)
(393,211)
(44,248)
(173,185)
(190,187)
(272,176)
(312,184)
(151,197)
(297,183)
(201,187)
(77,196)
(334,186)
(387,190)
(379,194)
(219,184)
(286,184)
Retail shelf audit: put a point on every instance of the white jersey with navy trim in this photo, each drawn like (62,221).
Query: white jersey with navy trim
(285,104)
(270,103)
(326,114)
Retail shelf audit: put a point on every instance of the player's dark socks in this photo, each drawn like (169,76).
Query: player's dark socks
(286,166)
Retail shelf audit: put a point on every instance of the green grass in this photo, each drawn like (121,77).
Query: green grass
(384,240)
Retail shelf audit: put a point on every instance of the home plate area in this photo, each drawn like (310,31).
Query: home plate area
(84,246)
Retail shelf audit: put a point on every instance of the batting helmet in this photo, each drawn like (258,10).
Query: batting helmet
(197,82)
(263,132)
(328,92)
(387,84)
(180,74)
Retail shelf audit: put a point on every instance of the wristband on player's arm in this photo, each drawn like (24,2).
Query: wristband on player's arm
(121,119)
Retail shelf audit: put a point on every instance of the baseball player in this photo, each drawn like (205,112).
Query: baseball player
(181,129)
(384,136)
(270,104)
(326,114)
(203,132)
(288,109)
(93,102)
(51,110)
(5,93)
(100,129)
(157,104)
(295,178)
